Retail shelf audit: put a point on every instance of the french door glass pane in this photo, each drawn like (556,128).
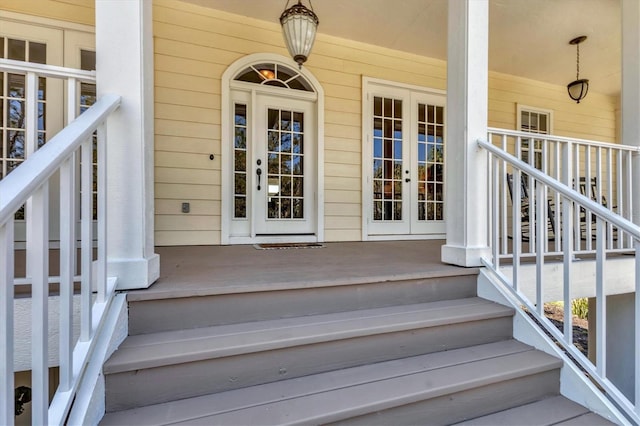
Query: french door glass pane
(285,164)
(430,162)
(387,159)
(240,161)
(12,105)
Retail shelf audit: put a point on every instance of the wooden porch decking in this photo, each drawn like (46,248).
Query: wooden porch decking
(198,270)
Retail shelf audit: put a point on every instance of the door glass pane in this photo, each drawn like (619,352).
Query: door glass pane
(387,159)
(430,162)
(12,106)
(285,167)
(240,163)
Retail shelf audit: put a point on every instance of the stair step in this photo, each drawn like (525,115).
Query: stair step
(156,311)
(478,379)
(154,350)
(161,367)
(557,410)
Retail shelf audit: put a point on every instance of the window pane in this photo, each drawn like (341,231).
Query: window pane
(37,52)
(17,50)
(87,60)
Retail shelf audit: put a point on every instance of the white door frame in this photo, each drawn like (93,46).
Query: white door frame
(229,87)
(412,94)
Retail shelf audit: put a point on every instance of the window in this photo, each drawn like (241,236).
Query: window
(538,121)
(13,101)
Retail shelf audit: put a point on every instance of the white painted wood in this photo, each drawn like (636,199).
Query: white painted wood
(67,269)
(101,271)
(86,238)
(636,355)
(124,46)
(6,325)
(601,301)
(235,231)
(50,71)
(630,90)
(38,269)
(540,240)
(467,93)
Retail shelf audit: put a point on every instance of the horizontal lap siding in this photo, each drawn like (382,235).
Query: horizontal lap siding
(76,11)
(193,47)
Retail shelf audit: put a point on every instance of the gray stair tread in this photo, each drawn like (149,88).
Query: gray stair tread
(351,391)
(545,412)
(589,419)
(171,347)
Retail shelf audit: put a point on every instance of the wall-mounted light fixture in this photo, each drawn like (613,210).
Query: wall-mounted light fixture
(578,89)
(299,25)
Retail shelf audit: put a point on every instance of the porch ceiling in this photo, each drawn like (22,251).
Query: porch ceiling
(529,38)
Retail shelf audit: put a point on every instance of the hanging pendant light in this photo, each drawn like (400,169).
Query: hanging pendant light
(578,89)
(299,25)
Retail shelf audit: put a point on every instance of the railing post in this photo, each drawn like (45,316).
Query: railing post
(637,328)
(6,324)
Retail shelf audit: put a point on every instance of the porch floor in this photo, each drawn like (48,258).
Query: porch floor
(204,270)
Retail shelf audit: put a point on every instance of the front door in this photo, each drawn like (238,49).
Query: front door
(283,192)
(273,169)
(405,176)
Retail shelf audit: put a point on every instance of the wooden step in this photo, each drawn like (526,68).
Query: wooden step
(437,388)
(161,367)
(156,311)
(557,410)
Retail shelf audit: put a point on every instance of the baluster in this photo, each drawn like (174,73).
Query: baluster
(86,217)
(38,270)
(567,260)
(541,231)
(601,301)
(102,213)
(517,226)
(503,195)
(6,325)
(637,327)
(495,212)
(67,249)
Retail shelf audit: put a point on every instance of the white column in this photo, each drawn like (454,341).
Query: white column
(630,90)
(467,104)
(124,62)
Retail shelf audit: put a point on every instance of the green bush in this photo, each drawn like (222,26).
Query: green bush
(580,308)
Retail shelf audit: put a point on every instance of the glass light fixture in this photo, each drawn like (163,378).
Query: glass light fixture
(578,89)
(299,25)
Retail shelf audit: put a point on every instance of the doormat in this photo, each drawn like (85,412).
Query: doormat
(277,246)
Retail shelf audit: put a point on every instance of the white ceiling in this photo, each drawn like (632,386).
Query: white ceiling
(529,38)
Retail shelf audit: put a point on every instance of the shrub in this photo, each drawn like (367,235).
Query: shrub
(580,308)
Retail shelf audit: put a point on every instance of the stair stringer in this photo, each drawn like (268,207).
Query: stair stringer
(574,384)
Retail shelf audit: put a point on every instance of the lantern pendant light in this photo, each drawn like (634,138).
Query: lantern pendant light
(578,89)
(299,25)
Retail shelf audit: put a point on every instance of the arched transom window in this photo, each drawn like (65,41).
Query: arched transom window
(271,74)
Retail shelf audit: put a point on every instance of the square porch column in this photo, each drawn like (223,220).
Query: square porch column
(124,62)
(467,103)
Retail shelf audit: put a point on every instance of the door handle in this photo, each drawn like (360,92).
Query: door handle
(259,173)
(407,180)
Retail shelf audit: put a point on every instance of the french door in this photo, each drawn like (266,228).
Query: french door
(274,168)
(405,167)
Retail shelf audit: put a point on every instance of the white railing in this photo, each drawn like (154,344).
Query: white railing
(574,208)
(30,184)
(600,171)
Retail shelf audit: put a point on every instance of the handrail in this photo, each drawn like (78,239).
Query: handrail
(572,203)
(528,135)
(51,71)
(16,187)
(563,189)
